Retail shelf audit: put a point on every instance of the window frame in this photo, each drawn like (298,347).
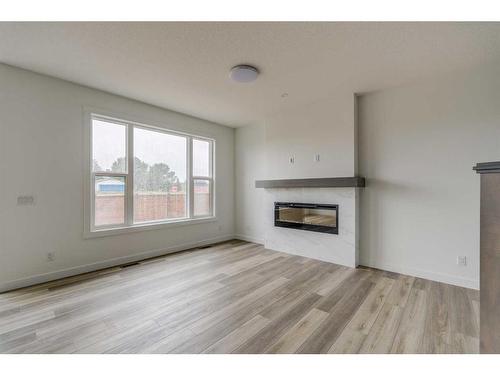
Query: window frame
(90,229)
(210,178)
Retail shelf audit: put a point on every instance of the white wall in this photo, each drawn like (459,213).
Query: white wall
(263,150)
(41,153)
(250,166)
(420,209)
(327,128)
(417,145)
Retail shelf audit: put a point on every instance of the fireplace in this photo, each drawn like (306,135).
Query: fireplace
(307,216)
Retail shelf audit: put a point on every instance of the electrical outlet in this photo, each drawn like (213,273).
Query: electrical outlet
(292,159)
(317,158)
(462,261)
(51,257)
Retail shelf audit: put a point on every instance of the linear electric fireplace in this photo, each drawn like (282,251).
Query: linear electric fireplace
(307,216)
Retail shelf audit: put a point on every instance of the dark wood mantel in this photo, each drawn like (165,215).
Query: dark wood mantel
(489,167)
(328,182)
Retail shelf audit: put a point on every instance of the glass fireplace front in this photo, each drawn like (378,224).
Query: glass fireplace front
(307,216)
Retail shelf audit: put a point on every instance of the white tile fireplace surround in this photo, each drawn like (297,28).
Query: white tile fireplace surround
(340,249)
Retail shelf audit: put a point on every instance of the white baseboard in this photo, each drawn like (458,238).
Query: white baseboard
(428,275)
(244,237)
(42,278)
(434,276)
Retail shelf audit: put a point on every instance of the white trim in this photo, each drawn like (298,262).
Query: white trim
(244,237)
(213,198)
(88,213)
(129,181)
(110,174)
(90,230)
(428,275)
(189,178)
(165,126)
(45,277)
(210,178)
(150,225)
(41,278)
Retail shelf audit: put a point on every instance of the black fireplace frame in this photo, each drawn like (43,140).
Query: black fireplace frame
(302,226)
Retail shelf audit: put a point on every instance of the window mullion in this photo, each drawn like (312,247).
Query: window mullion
(212,178)
(130,176)
(211,198)
(189,180)
(92,200)
(211,158)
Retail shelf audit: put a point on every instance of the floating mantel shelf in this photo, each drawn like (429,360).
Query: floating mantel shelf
(329,182)
(489,167)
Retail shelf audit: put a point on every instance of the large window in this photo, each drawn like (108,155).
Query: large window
(145,175)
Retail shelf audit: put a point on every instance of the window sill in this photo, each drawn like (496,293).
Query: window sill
(146,227)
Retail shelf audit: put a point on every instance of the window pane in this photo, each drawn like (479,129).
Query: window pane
(201,198)
(108,146)
(201,158)
(109,208)
(159,176)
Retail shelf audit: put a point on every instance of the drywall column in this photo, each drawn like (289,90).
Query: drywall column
(490,257)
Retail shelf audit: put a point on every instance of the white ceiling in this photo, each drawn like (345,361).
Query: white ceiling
(185,66)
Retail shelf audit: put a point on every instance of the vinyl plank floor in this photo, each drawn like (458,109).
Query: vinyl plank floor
(238,297)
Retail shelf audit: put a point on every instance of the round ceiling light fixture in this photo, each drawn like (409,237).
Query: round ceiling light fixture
(244,73)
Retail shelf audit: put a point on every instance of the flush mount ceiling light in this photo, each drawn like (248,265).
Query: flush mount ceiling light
(244,73)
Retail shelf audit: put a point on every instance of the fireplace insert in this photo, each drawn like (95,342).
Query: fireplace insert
(307,216)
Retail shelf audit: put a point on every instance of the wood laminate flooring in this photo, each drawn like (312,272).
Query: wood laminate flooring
(238,297)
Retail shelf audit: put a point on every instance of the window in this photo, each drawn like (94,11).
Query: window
(160,168)
(144,175)
(202,181)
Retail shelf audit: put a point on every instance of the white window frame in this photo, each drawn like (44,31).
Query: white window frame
(204,178)
(90,230)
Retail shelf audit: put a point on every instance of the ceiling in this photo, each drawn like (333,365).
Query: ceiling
(185,66)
